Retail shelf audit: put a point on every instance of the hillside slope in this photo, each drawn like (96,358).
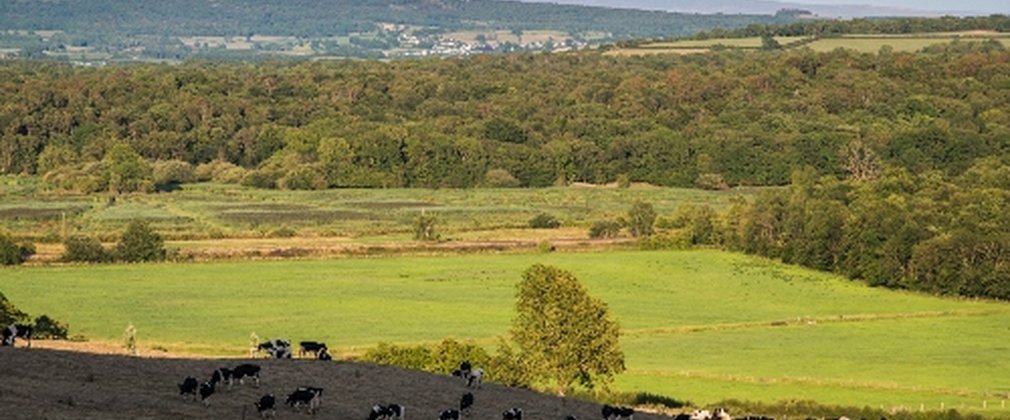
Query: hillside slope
(67,385)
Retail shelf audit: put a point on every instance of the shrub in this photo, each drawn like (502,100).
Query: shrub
(623,181)
(13,253)
(447,355)
(500,178)
(130,339)
(168,173)
(711,181)
(605,229)
(545,247)
(414,357)
(641,219)
(509,367)
(424,227)
(219,171)
(283,232)
(9,314)
(678,239)
(48,328)
(140,243)
(80,248)
(304,177)
(261,178)
(544,221)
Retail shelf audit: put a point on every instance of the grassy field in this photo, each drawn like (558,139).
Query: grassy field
(212,211)
(699,325)
(868,44)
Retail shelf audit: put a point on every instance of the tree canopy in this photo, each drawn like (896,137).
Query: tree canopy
(565,334)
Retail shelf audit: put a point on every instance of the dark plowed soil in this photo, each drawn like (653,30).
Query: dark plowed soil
(49,384)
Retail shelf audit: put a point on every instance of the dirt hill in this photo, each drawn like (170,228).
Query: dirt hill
(50,384)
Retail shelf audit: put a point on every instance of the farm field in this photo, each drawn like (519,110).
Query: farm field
(216,211)
(700,325)
(867,44)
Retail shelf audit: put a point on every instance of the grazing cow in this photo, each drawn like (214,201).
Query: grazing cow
(313,347)
(189,386)
(613,412)
(721,414)
(308,395)
(276,348)
(266,405)
(10,335)
(25,332)
(464,370)
(377,412)
(570,418)
(512,414)
(465,403)
(245,371)
(475,378)
(449,415)
(392,411)
(206,390)
(221,375)
(701,415)
(324,354)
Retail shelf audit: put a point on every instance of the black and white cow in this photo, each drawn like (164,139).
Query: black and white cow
(25,332)
(221,375)
(570,418)
(701,415)
(389,412)
(306,347)
(206,390)
(276,348)
(449,415)
(475,378)
(307,395)
(243,371)
(465,403)
(613,412)
(189,386)
(512,414)
(324,355)
(721,414)
(10,334)
(266,405)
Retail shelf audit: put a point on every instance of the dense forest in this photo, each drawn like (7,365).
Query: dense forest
(867,26)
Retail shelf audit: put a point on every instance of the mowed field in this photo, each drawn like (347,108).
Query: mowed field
(699,325)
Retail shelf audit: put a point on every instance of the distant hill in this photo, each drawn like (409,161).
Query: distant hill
(844,8)
(308,27)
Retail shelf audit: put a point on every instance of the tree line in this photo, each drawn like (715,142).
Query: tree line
(713,121)
(890,26)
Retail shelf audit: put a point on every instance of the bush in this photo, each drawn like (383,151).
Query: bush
(261,179)
(500,178)
(711,181)
(447,355)
(220,171)
(623,181)
(48,328)
(80,248)
(283,232)
(169,173)
(605,229)
(424,227)
(678,239)
(9,314)
(544,221)
(304,177)
(414,357)
(509,367)
(140,243)
(12,253)
(545,247)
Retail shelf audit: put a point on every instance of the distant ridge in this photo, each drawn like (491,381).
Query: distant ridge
(762,7)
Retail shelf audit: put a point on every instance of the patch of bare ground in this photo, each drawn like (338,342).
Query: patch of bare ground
(41,383)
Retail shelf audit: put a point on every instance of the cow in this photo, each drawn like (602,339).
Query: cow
(475,378)
(276,348)
(266,405)
(701,415)
(449,415)
(309,396)
(464,370)
(570,418)
(206,390)
(465,403)
(324,355)
(245,371)
(10,335)
(721,414)
(613,412)
(221,375)
(189,386)
(24,331)
(313,347)
(512,414)
(682,416)
(392,411)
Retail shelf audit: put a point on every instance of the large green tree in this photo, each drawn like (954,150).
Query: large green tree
(566,335)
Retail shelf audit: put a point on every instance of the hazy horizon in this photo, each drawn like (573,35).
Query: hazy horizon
(976,7)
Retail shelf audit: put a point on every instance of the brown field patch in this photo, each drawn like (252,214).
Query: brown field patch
(67,385)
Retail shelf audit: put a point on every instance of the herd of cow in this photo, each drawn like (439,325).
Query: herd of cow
(311,397)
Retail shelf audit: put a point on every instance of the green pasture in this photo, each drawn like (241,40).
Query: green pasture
(751,42)
(700,325)
(202,211)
